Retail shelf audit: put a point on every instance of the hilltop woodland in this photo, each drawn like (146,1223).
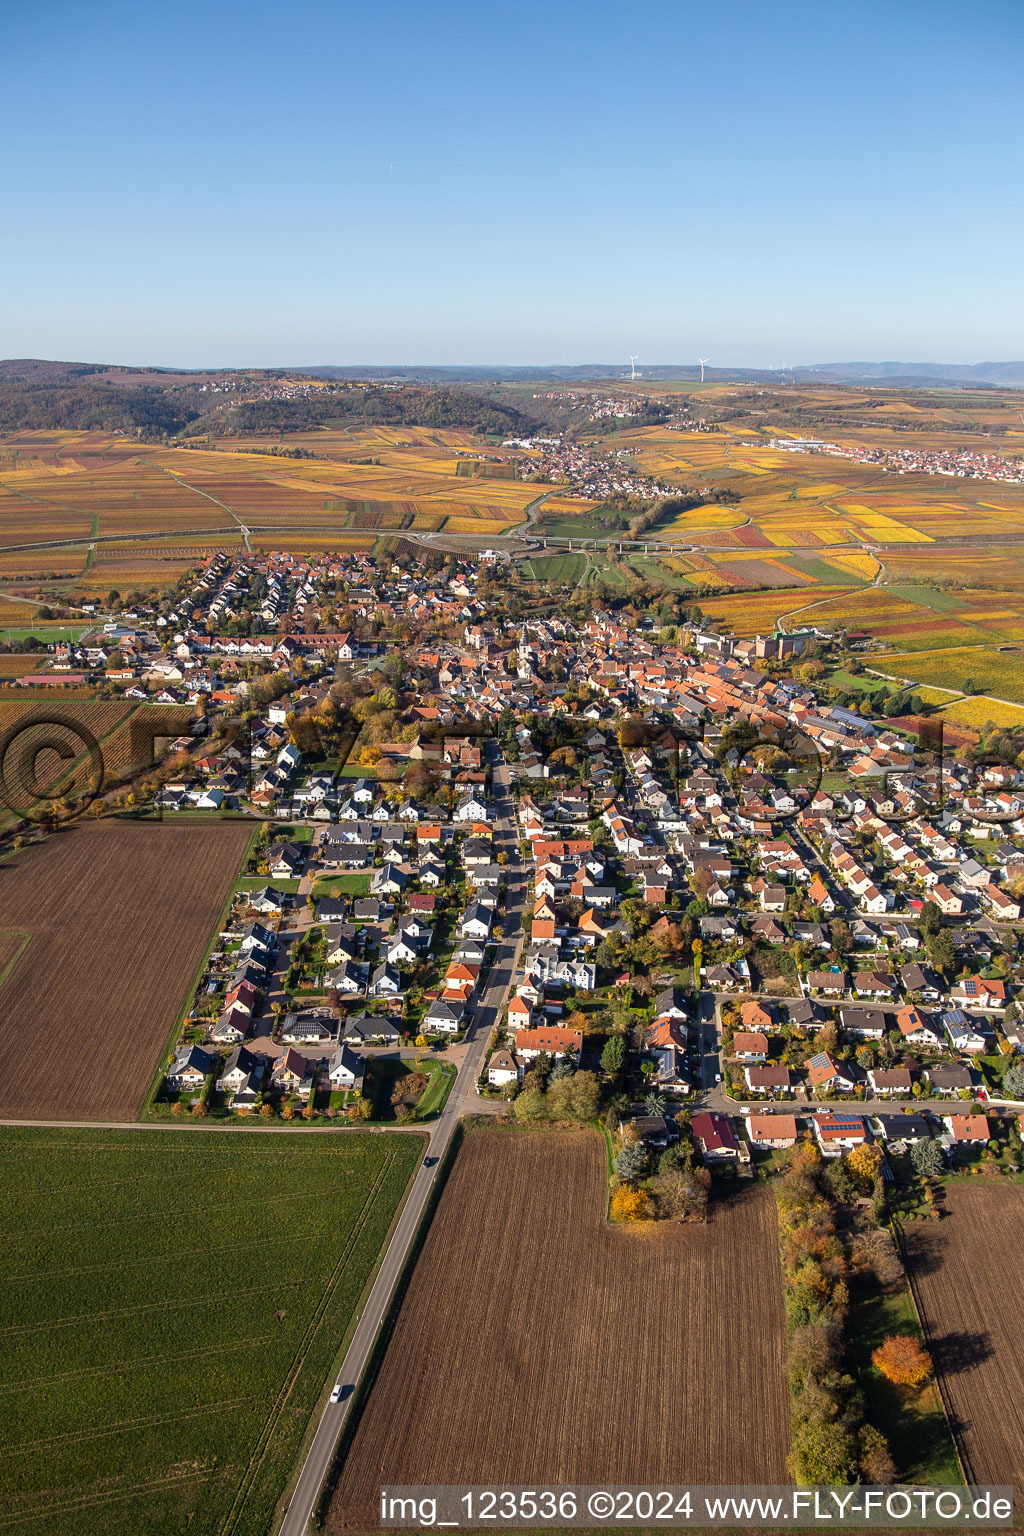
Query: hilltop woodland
(159,411)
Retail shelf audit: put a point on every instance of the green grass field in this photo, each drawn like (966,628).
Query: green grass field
(560,526)
(650,568)
(442,1079)
(602,569)
(567,567)
(356,882)
(46,633)
(928,597)
(260,882)
(172,1307)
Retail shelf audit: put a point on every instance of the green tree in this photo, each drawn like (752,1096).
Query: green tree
(941,950)
(531,1104)
(927,1159)
(558,1100)
(1013,1081)
(823,1452)
(875,1458)
(584,1095)
(631,1162)
(613,1056)
(930,920)
(841,936)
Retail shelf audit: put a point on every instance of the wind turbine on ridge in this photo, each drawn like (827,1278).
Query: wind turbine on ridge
(632,364)
(702,361)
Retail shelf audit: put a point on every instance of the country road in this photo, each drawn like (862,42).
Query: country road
(485,1015)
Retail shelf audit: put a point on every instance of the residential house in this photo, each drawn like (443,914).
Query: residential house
(838,1133)
(671,1004)
(531,1043)
(503,1068)
(967,1130)
(233,1025)
(895,1082)
(878,985)
(750,1045)
(826,1075)
(864,1023)
(771,1131)
(655,1131)
(285,861)
(315,1026)
(476,922)
(756,1016)
(918,980)
(980,992)
(770,1079)
(960,1032)
(952,1080)
(242,1067)
(918,1028)
(347,1070)
(830,982)
(385,981)
(190,1069)
(444,1018)
(368,1029)
(900,1128)
(292,1073)
(257,937)
(715,1138)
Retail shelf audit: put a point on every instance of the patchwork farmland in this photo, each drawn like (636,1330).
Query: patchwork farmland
(958,1269)
(75,485)
(170,1307)
(547,1376)
(117,917)
(974,669)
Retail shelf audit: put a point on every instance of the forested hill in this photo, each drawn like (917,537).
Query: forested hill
(404,407)
(145,410)
(167,406)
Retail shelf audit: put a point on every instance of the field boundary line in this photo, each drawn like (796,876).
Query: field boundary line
(24,1331)
(27,937)
(196,491)
(115,1221)
(8,1388)
(116,1495)
(124,1426)
(157,1258)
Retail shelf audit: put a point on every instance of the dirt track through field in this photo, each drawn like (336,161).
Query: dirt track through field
(119,915)
(536,1345)
(964,1274)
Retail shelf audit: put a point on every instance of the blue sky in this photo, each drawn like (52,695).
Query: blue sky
(232,184)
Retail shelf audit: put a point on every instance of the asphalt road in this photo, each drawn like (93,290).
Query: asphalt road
(461,1099)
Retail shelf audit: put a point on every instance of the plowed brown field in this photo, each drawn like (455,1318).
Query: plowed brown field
(963,1274)
(118,916)
(538,1345)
